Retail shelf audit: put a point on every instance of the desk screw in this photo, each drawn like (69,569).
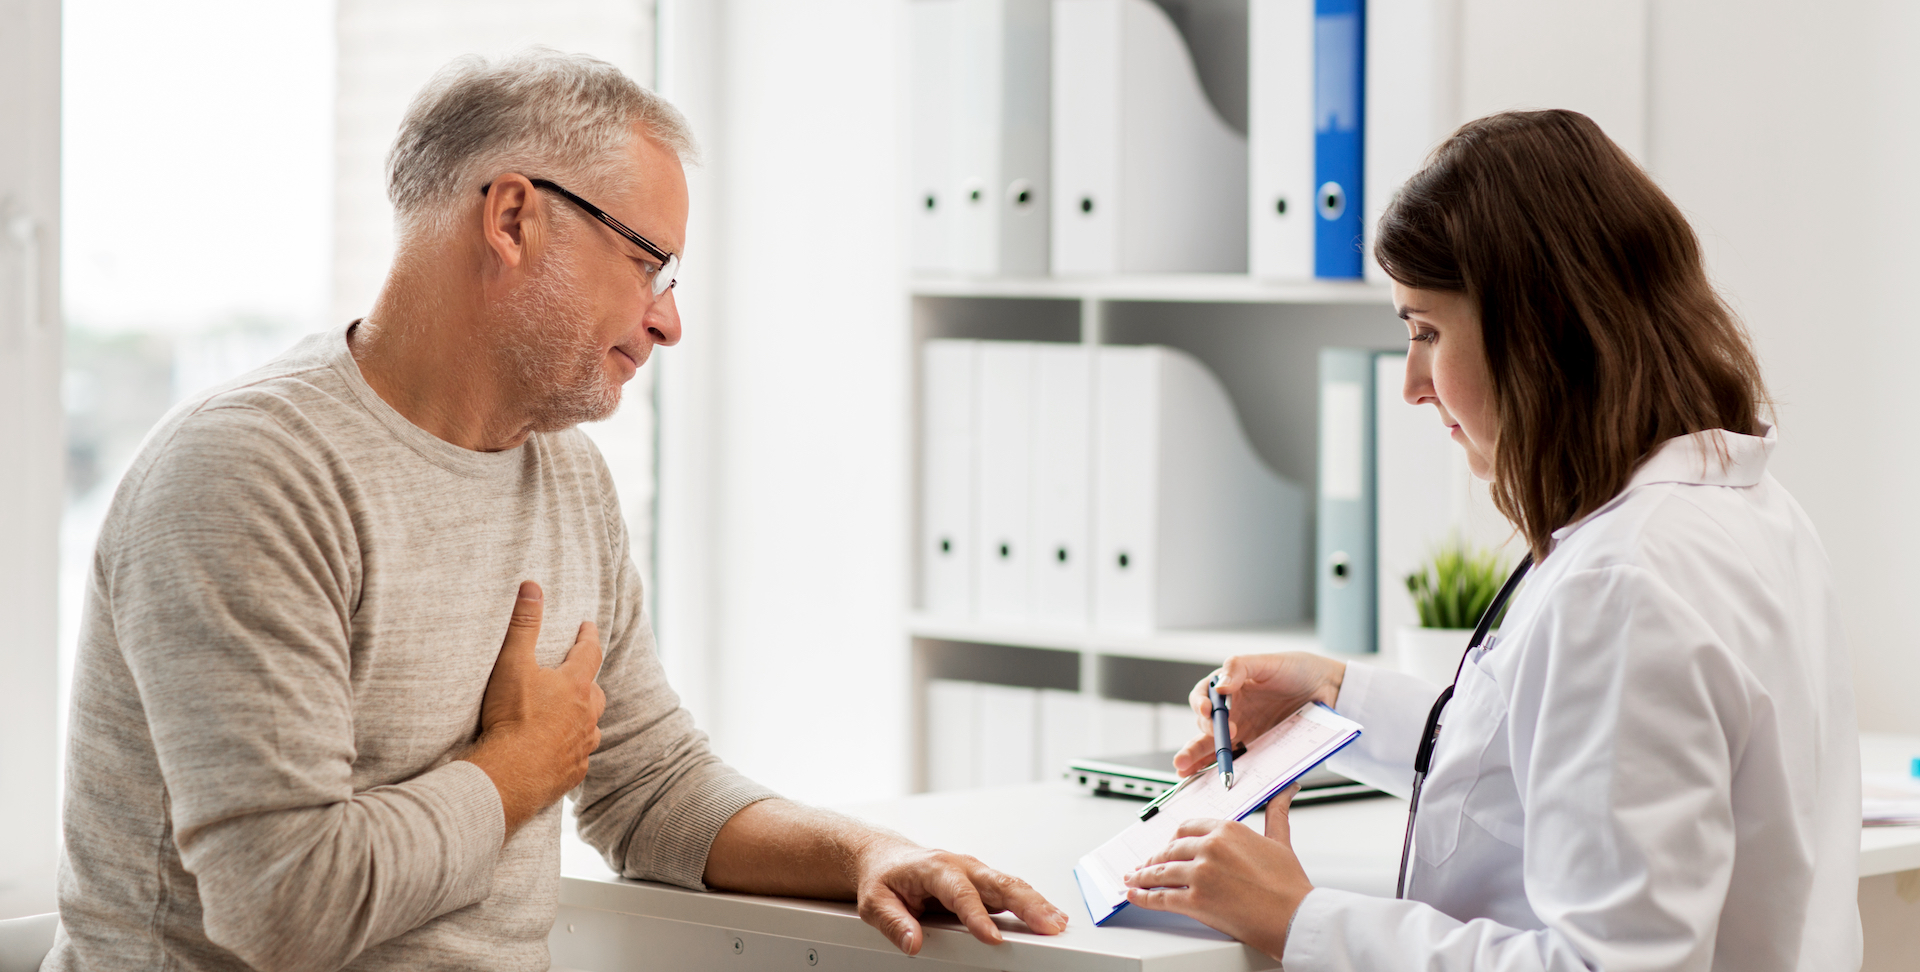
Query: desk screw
(739,946)
(813,957)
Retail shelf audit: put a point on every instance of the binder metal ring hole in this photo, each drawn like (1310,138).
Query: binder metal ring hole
(1333,201)
(946,545)
(1280,205)
(1020,194)
(1006,550)
(1339,567)
(1086,204)
(1060,554)
(975,193)
(1124,560)
(930,202)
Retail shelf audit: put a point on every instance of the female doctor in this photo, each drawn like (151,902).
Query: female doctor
(1655,764)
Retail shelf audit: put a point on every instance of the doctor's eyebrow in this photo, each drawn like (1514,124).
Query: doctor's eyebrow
(1404,311)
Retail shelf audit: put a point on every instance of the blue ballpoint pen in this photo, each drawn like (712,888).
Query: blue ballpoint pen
(1222,738)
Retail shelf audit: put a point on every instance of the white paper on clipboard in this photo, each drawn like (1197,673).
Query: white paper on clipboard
(1271,763)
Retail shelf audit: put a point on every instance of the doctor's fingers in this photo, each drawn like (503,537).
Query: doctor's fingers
(1177,900)
(1172,874)
(1180,849)
(1278,825)
(1196,756)
(1201,826)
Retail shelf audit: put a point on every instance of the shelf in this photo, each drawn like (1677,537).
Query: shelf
(1222,288)
(1208,646)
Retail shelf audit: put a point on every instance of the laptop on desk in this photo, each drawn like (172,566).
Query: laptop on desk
(1144,776)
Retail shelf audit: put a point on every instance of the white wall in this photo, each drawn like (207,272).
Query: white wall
(784,413)
(30,438)
(1790,133)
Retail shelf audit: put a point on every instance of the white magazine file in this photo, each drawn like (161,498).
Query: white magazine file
(1003,549)
(947,479)
(1002,137)
(1413,97)
(1061,570)
(1280,211)
(934,88)
(1191,528)
(1147,177)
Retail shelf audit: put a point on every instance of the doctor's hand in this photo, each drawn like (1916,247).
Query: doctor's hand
(1227,877)
(1265,689)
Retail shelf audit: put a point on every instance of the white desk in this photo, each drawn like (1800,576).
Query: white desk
(607,924)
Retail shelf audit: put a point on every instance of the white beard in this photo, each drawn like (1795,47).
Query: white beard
(548,350)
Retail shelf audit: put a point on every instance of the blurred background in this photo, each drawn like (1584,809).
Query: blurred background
(189,187)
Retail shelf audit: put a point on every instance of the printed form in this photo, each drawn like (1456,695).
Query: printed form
(1271,763)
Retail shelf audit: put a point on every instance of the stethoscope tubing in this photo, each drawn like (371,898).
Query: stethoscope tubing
(1423,757)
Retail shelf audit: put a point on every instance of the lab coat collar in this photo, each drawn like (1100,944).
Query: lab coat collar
(1696,460)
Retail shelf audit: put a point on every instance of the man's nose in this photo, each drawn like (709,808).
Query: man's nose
(663,321)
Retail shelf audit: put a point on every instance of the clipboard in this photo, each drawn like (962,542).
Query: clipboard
(1272,763)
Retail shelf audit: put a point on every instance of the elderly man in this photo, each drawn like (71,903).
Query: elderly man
(300,740)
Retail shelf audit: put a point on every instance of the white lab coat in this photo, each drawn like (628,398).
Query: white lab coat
(1655,765)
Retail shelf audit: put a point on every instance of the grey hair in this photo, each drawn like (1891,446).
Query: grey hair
(566,117)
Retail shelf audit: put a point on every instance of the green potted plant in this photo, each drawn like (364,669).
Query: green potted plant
(1450,592)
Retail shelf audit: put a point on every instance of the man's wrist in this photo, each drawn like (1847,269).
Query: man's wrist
(866,847)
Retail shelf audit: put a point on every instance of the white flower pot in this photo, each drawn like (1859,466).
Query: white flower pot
(1432,654)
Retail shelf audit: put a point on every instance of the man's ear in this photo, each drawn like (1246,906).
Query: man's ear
(512,220)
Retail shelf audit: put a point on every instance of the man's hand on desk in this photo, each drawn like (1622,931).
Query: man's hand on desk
(898,877)
(778,847)
(538,725)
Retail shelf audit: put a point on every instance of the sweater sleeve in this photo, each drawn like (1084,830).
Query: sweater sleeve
(655,796)
(232,603)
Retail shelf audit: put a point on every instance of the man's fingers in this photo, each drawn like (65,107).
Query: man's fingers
(585,655)
(1278,826)
(523,629)
(956,891)
(1004,892)
(885,911)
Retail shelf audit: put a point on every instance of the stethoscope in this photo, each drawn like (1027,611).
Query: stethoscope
(1423,759)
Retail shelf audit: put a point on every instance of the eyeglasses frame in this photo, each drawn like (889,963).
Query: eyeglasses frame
(667,260)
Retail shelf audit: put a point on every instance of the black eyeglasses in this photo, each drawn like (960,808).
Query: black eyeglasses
(664,276)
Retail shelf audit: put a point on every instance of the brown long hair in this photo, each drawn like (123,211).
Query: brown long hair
(1603,336)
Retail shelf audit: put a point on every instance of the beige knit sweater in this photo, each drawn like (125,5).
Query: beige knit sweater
(294,608)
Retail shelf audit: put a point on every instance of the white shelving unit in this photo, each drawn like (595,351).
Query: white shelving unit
(1217,288)
(1261,337)
(1201,646)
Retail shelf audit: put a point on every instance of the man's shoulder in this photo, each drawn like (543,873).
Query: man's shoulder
(269,427)
(298,389)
